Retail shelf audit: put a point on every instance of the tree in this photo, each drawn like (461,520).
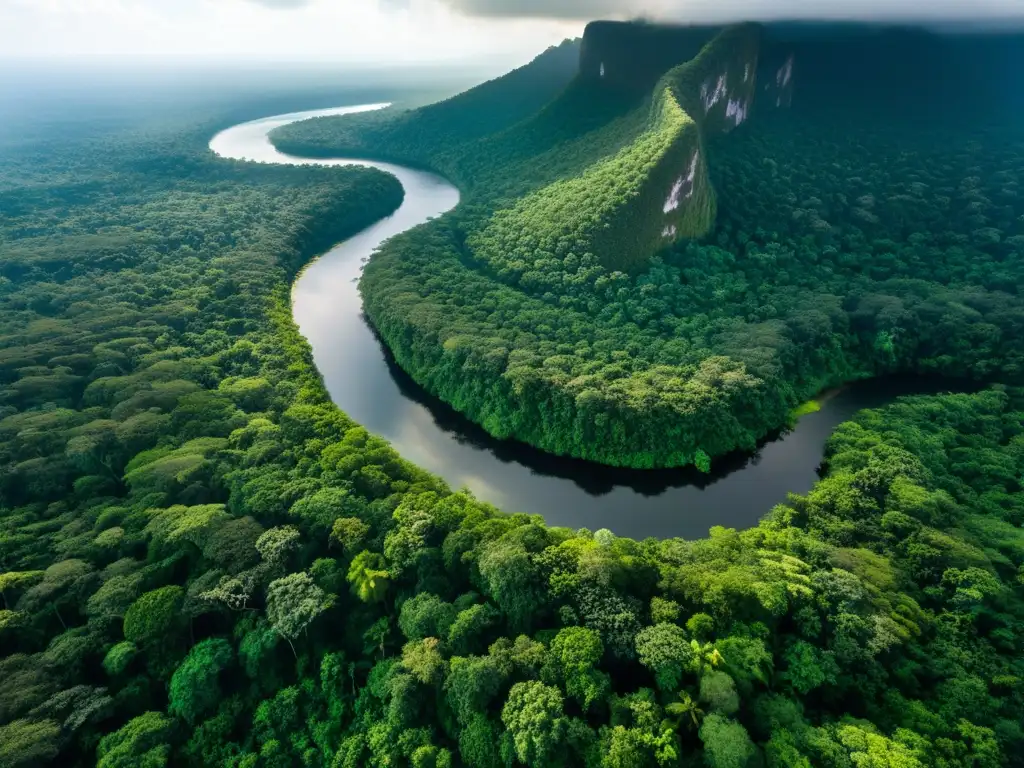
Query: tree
(665,611)
(685,709)
(64,586)
(701,626)
(96,448)
(873,750)
(205,414)
(726,743)
(626,747)
(141,431)
(195,688)
(279,716)
(612,615)
(426,615)
(71,650)
(512,581)
(470,626)
(275,544)
(328,574)
(256,647)
(702,461)
(11,620)
(349,533)
(12,581)
(576,652)
(718,691)
(536,723)
(322,510)
(368,576)
(478,743)
(155,617)
(808,667)
(423,660)
(748,660)
(471,685)
(194,524)
(665,650)
(25,743)
(210,743)
(293,602)
(76,707)
(235,592)
(119,657)
(375,638)
(141,743)
(251,394)
(523,657)
(232,546)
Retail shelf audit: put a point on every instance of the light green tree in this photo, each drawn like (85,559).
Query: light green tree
(576,652)
(142,742)
(665,650)
(535,720)
(369,577)
(293,602)
(726,743)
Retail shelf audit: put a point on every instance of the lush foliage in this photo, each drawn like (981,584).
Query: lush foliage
(848,243)
(402,134)
(203,562)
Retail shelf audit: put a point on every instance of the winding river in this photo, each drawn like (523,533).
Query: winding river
(366,384)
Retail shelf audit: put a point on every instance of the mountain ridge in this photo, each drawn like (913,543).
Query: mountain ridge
(556,305)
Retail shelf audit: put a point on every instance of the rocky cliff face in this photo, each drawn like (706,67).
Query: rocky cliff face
(903,71)
(636,54)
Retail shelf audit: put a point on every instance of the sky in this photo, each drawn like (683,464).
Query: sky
(392,31)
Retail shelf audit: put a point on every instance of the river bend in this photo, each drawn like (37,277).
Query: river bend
(365,383)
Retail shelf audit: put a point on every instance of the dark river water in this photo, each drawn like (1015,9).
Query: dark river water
(366,384)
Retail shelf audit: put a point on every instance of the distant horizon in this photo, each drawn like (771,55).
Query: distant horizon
(414,32)
(499,60)
(253,65)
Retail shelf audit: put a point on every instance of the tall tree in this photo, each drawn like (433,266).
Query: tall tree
(293,603)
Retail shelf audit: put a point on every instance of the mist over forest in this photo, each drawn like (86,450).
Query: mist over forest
(663,249)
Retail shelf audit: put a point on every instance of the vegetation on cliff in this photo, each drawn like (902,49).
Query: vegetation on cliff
(848,242)
(203,562)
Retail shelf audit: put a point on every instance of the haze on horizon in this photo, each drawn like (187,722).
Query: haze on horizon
(392,31)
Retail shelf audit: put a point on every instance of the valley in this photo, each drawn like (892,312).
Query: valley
(663,355)
(365,383)
(452,453)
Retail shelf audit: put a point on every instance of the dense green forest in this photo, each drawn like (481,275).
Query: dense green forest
(203,562)
(850,240)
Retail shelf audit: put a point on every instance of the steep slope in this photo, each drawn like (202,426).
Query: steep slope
(637,54)
(418,135)
(630,280)
(655,189)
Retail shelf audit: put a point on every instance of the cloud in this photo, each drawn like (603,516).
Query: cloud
(735,10)
(386,5)
(558,9)
(283,5)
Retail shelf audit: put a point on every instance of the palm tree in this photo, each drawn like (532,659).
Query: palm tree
(705,657)
(685,708)
(368,577)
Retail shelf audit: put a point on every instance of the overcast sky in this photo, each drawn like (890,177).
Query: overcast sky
(399,31)
(342,30)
